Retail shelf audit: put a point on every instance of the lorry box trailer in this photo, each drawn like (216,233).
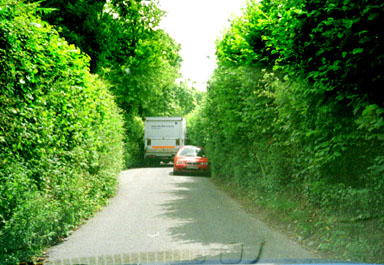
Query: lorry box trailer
(163,138)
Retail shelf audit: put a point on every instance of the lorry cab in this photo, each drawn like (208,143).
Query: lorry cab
(163,136)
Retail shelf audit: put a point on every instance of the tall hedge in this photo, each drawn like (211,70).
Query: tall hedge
(298,87)
(60,135)
(295,107)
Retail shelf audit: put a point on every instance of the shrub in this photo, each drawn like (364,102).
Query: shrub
(60,135)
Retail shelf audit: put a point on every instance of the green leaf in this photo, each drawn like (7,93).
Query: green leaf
(357,51)
(372,16)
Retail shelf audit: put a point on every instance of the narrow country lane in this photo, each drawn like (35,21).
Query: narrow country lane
(157,216)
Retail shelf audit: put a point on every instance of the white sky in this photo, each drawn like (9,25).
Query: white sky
(196,24)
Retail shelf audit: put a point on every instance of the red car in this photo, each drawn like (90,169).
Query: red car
(191,159)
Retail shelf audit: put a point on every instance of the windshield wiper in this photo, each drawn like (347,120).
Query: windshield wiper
(256,260)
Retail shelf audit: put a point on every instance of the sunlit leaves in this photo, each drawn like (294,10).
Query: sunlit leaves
(140,61)
(317,117)
(60,135)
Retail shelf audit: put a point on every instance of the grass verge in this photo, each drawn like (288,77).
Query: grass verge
(330,236)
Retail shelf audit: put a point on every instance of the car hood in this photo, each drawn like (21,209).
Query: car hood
(188,257)
(109,261)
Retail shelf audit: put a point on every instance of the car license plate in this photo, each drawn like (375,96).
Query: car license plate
(192,167)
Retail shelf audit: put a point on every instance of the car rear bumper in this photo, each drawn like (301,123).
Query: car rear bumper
(201,169)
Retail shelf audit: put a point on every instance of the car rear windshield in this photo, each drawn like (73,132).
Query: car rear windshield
(192,152)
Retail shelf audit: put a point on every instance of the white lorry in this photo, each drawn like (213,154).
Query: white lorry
(163,138)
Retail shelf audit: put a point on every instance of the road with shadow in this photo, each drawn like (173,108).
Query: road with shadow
(157,216)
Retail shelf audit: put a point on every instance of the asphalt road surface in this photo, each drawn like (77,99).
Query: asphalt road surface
(158,217)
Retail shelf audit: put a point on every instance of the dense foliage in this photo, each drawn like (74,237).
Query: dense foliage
(140,61)
(295,106)
(61,135)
